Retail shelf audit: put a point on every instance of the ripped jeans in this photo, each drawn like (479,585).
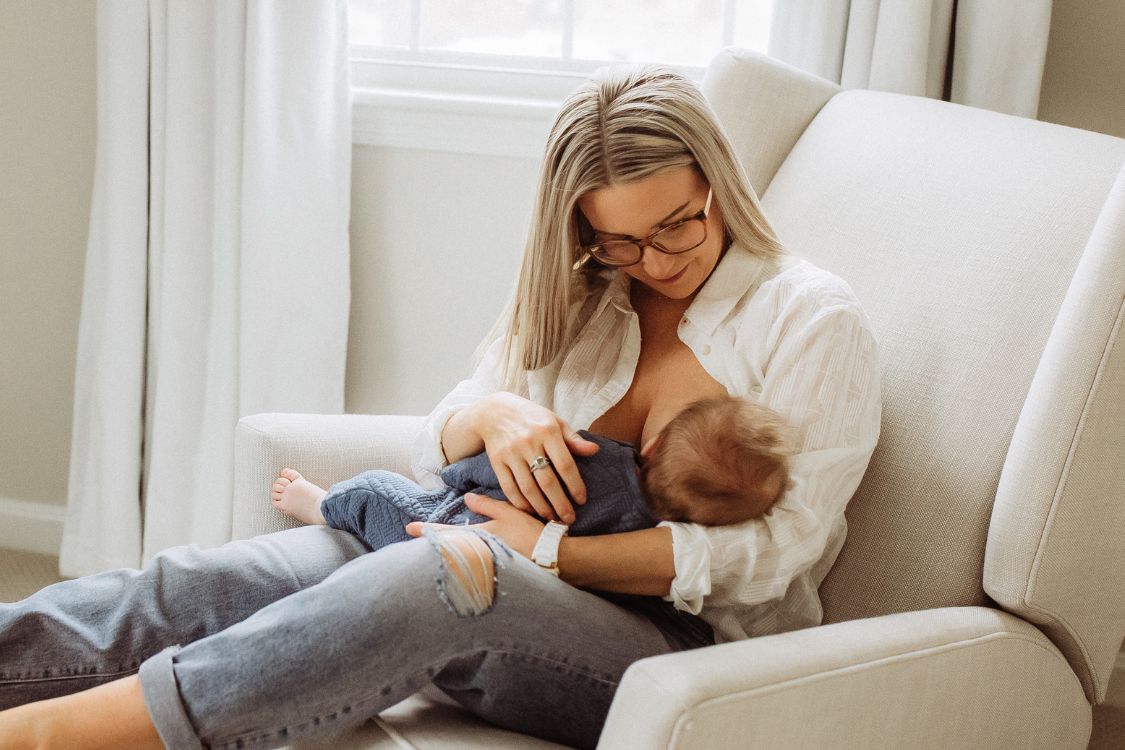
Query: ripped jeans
(299,634)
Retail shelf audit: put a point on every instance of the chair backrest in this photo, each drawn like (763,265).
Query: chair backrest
(970,238)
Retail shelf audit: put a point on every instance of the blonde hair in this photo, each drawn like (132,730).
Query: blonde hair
(622,125)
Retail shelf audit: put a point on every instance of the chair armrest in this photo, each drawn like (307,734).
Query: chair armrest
(966,677)
(325,448)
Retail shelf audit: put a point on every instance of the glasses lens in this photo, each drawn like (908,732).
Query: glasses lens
(677,238)
(681,237)
(617,253)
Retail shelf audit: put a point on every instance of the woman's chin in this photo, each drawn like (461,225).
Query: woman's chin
(680,285)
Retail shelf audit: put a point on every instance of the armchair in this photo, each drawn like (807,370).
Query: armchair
(978,600)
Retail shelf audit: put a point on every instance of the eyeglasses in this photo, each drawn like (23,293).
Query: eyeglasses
(686,234)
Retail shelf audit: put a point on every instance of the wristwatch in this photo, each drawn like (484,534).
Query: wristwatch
(546,552)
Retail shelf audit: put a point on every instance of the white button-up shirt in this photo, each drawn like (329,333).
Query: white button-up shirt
(785,333)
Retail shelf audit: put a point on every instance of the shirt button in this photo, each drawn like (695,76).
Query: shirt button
(683,321)
(705,349)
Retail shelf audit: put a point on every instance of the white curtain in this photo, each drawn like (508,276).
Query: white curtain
(983,53)
(217,277)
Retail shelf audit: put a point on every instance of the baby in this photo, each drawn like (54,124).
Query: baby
(720,461)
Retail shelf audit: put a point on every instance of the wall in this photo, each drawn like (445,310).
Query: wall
(436,241)
(47,131)
(1084,75)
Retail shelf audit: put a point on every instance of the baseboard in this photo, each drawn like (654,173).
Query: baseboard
(31,527)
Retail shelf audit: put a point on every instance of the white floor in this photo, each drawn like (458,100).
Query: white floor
(23,573)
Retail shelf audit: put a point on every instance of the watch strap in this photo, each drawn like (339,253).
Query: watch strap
(546,552)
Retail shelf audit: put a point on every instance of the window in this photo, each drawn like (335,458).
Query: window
(556,34)
(487,76)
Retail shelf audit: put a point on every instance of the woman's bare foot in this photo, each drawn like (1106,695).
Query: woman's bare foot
(297,497)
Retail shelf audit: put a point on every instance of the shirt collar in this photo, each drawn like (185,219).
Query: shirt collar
(616,292)
(737,272)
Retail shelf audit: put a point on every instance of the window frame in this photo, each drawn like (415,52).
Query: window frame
(456,106)
(468,102)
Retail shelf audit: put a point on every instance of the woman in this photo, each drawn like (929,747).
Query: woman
(650,280)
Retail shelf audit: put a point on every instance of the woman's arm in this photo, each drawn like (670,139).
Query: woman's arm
(478,415)
(823,378)
(515,431)
(635,562)
(459,439)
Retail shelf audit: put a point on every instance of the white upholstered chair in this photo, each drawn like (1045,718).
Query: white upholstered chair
(980,598)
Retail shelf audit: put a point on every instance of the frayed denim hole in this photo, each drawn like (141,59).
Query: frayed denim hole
(459,583)
(496,543)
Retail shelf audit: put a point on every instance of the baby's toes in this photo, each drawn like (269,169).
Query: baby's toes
(290,475)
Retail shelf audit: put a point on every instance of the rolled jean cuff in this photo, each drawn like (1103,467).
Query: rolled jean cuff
(162,699)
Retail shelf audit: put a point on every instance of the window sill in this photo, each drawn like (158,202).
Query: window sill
(493,126)
(459,108)
(453,106)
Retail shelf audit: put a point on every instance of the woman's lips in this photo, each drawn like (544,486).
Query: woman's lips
(674,277)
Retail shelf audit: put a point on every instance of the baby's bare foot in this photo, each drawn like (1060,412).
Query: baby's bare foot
(297,497)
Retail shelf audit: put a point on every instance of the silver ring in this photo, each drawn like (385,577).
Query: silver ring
(540,462)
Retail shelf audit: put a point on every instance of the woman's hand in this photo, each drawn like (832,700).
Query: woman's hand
(515,432)
(517,529)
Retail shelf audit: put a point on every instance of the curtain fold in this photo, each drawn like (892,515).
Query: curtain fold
(997,47)
(999,56)
(217,277)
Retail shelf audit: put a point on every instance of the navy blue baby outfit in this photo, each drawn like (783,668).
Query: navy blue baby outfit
(376,505)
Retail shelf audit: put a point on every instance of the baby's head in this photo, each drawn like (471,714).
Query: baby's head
(721,460)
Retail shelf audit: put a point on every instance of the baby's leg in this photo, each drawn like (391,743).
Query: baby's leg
(298,498)
(377,505)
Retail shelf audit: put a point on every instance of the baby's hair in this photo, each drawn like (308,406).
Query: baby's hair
(721,460)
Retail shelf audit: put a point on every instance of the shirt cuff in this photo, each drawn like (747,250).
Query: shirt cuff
(429,457)
(691,551)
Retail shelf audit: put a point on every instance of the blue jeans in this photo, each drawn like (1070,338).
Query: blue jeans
(299,634)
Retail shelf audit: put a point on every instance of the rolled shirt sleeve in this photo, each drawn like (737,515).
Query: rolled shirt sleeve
(822,376)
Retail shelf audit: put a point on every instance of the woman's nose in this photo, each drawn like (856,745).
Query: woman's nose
(657,264)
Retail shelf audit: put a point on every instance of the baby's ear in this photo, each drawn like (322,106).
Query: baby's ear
(650,446)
